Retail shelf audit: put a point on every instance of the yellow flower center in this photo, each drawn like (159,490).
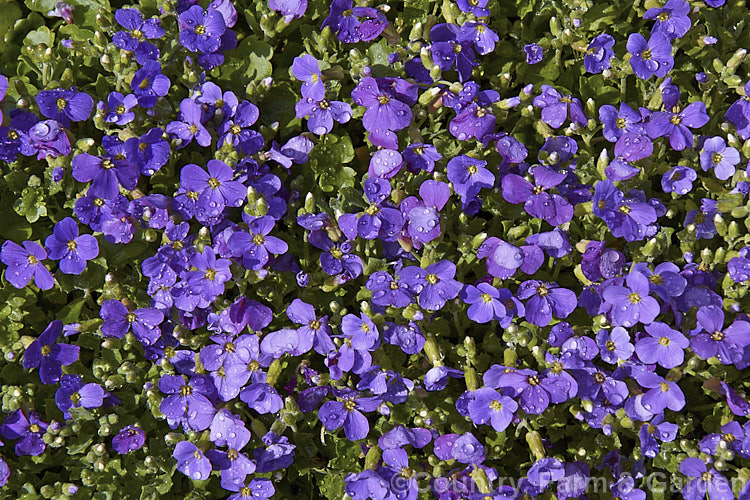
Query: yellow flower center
(610,346)
(193,195)
(258,239)
(384,99)
(634,298)
(144,84)
(213,183)
(46,350)
(599,378)
(419,150)
(324,104)
(372,209)
(253,366)
(193,128)
(229,347)
(350,405)
(394,285)
(457,48)
(675,120)
(664,341)
(472,169)
(120,109)
(533,380)
(663,16)
(487,297)
(75,398)
(621,123)
(32,260)
(566,99)
(210,274)
(130,317)
(664,387)
(12,134)
(336,253)
(72,245)
(315,324)
(542,291)
(61,103)
(656,279)
(34,428)
(236,129)
(625,209)
(646,55)
(716,158)
(432,278)
(200,30)
(496,405)
(717,336)
(137,34)
(186,390)
(107,164)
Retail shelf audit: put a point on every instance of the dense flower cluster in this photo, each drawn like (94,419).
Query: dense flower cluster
(263,305)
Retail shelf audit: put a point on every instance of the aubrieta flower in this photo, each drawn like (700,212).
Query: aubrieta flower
(534,53)
(290,9)
(72,250)
(664,346)
(710,338)
(256,245)
(187,401)
(120,107)
(256,489)
(235,130)
(45,138)
(672,20)
(717,155)
(48,355)
(556,108)
(346,411)
(650,58)
(677,124)
(201,30)
(25,263)
(488,406)
(599,53)
(73,393)
(138,30)
(706,481)
(106,174)
(148,84)
(322,112)
(469,176)
(485,303)
(314,330)
(190,127)
(419,156)
(679,179)
(631,304)
(661,394)
(450,49)
(476,7)
(732,436)
(386,112)
(738,114)
(118,320)
(130,438)
(191,460)
(65,105)
(552,208)
(378,220)
(546,299)
(306,69)
(616,123)
(355,24)
(29,430)
(614,345)
(216,189)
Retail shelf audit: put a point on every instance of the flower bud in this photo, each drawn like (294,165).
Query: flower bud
(534,440)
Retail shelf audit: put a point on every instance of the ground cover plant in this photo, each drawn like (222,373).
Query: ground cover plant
(471,249)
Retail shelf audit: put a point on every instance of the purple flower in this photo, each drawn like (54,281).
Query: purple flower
(537,201)
(599,53)
(290,9)
(130,438)
(450,49)
(210,275)
(378,220)
(717,155)
(706,481)
(315,331)
(385,112)
(65,105)
(72,250)
(148,84)
(256,489)
(29,430)
(149,152)
(672,20)
(256,246)
(24,263)
(663,346)
(322,112)
(48,355)
(661,393)
(476,118)
(73,393)
(358,24)
(616,123)
(138,30)
(187,401)
(191,461)
(118,321)
(710,338)
(650,58)
(347,411)
(677,125)
(476,7)
(434,285)
(201,30)
(556,107)
(276,454)
(237,132)
(632,304)
(488,406)
(45,138)
(306,69)
(485,303)
(105,174)
(535,391)
(120,108)
(546,299)
(216,189)
(418,156)
(534,53)
(190,127)
(739,114)
(545,471)
(387,290)
(614,345)
(680,179)
(469,176)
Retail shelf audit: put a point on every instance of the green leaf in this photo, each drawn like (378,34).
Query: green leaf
(31,204)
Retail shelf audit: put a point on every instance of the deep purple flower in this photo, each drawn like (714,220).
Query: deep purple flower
(148,84)
(187,401)
(672,20)
(379,220)
(45,138)
(599,53)
(201,30)
(632,304)
(485,303)
(130,438)
(306,69)
(679,179)
(488,406)
(677,124)
(24,263)
(535,391)
(347,411)
(190,127)
(106,174)
(256,246)
(556,108)
(546,299)
(321,111)
(450,49)
(385,112)
(418,156)
(534,53)
(118,321)
(614,345)
(73,393)
(661,393)
(138,30)
(191,461)
(717,155)
(650,58)
(29,430)
(710,338)
(256,489)
(387,290)
(706,481)
(236,130)
(434,285)
(148,152)
(738,114)
(545,471)
(537,201)
(476,7)
(616,123)
(48,355)
(120,108)
(65,105)
(664,346)
(314,330)
(355,24)
(69,248)
(469,176)
(216,189)
(290,9)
